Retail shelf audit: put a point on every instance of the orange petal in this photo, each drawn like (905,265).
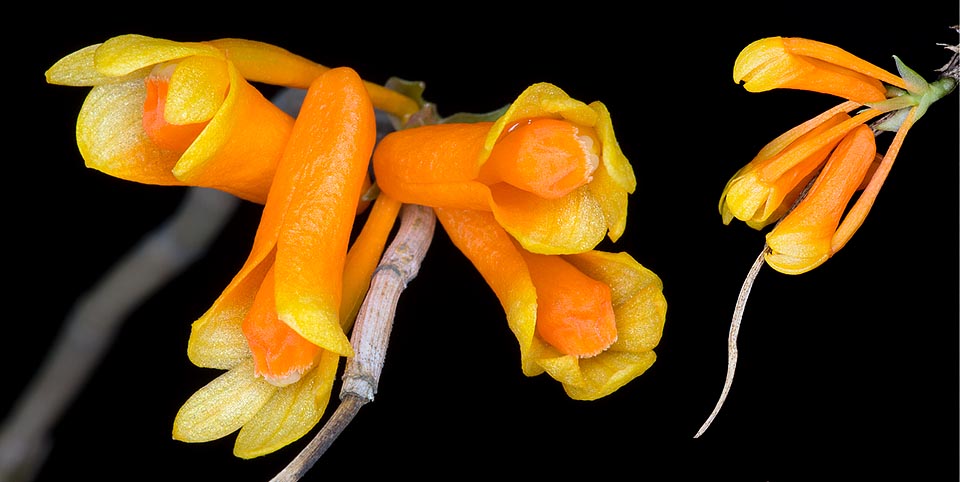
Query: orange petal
(364,256)
(837,56)
(495,256)
(776,62)
(802,240)
(878,174)
(434,165)
(239,149)
(314,198)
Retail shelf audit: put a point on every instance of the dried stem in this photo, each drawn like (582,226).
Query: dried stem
(732,339)
(371,333)
(91,325)
(952,67)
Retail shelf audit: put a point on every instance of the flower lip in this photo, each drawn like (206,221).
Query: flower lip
(544,156)
(574,312)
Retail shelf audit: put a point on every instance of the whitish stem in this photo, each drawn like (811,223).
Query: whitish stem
(732,339)
(371,333)
(92,323)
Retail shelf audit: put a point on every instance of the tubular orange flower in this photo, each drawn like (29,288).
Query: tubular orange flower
(590,320)
(279,326)
(183,113)
(764,190)
(549,169)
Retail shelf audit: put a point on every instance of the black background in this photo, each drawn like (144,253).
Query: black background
(846,372)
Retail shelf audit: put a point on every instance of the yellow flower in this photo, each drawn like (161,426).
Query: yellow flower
(279,326)
(766,189)
(590,320)
(184,113)
(549,169)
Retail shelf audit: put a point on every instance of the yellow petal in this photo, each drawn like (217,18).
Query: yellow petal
(124,54)
(614,162)
(216,338)
(76,69)
(605,374)
(197,89)
(625,276)
(571,224)
(612,200)
(111,138)
(763,55)
(217,341)
(291,413)
(222,406)
(262,62)
(562,368)
(640,321)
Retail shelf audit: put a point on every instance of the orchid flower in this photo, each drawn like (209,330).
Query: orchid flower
(279,326)
(831,147)
(184,113)
(549,169)
(590,320)
(805,179)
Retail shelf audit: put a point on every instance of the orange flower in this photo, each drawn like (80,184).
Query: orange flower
(590,320)
(279,326)
(549,169)
(765,190)
(184,113)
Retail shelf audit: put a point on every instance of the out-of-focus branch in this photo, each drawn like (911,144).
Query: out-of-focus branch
(91,325)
